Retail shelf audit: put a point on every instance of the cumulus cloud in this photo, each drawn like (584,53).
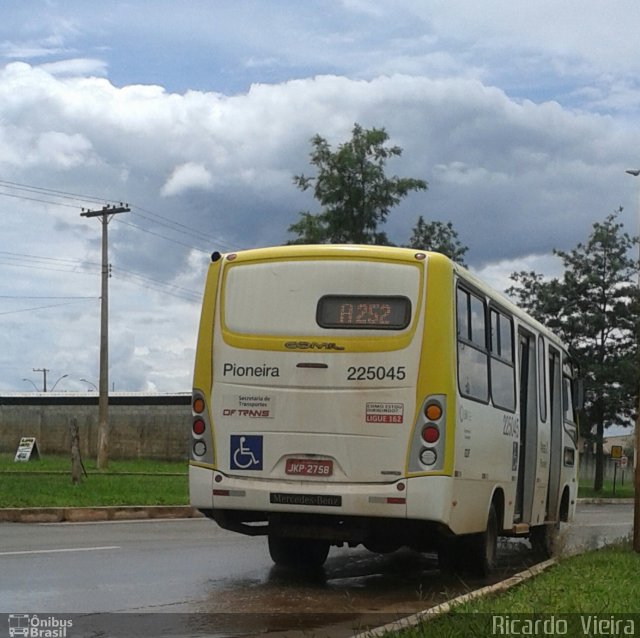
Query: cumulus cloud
(187,176)
(488,158)
(203,170)
(76,67)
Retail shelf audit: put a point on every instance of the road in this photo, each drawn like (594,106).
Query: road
(227,581)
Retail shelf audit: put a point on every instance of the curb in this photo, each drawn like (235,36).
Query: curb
(443,608)
(138,512)
(432,613)
(92,514)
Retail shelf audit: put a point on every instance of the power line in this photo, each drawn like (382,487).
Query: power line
(39,262)
(43,201)
(164,287)
(42,297)
(48,193)
(51,191)
(42,258)
(150,232)
(57,305)
(181,228)
(47,268)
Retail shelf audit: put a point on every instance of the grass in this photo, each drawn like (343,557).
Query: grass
(623,490)
(47,483)
(598,583)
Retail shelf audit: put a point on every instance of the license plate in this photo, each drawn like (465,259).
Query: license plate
(309,467)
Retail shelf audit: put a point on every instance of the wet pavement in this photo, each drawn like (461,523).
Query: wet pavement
(192,574)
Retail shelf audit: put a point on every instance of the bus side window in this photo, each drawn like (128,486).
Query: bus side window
(503,391)
(567,400)
(473,359)
(463,314)
(542,379)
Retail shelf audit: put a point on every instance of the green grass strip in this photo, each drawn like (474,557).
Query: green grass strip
(47,483)
(590,587)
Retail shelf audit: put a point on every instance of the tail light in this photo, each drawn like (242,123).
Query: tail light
(427,444)
(199,427)
(430,434)
(201,435)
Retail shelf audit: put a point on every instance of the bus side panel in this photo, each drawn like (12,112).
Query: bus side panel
(484,462)
(437,358)
(202,378)
(200,474)
(200,487)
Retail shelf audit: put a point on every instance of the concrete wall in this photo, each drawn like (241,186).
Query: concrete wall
(587,469)
(141,426)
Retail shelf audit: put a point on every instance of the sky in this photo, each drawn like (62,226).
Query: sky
(522,117)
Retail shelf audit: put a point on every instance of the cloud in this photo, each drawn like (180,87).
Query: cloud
(206,171)
(480,150)
(185,177)
(76,67)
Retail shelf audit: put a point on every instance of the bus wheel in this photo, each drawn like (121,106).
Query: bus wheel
(544,539)
(483,547)
(298,553)
(450,555)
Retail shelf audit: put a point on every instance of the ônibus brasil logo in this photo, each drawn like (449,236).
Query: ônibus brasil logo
(34,626)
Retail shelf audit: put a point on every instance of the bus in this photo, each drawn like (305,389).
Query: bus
(377,396)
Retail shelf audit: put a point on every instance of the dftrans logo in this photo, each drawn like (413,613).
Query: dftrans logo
(33,626)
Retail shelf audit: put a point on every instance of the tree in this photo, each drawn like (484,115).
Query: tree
(439,237)
(594,306)
(353,190)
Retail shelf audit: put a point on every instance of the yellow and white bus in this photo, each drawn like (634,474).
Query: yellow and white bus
(377,396)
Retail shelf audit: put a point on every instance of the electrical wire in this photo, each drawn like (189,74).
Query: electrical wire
(58,305)
(53,264)
(52,192)
(161,220)
(143,281)
(42,297)
(150,232)
(64,198)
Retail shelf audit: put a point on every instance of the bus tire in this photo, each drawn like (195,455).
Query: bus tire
(483,547)
(298,553)
(450,555)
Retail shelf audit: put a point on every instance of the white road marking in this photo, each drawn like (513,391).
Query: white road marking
(59,551)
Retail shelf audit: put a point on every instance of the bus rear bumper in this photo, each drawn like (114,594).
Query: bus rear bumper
(339,512)
(310,497)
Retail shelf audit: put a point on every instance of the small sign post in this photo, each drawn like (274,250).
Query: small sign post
(616,454)
(27,448)
(624,461)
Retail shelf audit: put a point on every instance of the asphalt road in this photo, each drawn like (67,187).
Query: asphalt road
(226,582)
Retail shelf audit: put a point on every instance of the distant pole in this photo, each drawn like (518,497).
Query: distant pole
(44,372)
(636,455)
(106,214)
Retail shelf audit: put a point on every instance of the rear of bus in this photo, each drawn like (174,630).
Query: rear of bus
(316,410)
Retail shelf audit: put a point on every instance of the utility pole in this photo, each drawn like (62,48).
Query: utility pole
(635,172)
(44,372)
(106,214)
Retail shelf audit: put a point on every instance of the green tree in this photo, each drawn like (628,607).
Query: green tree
(439,237)
(595,308)
(352,188)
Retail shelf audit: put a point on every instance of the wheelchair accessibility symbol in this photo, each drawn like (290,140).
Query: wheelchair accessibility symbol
(246,452)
